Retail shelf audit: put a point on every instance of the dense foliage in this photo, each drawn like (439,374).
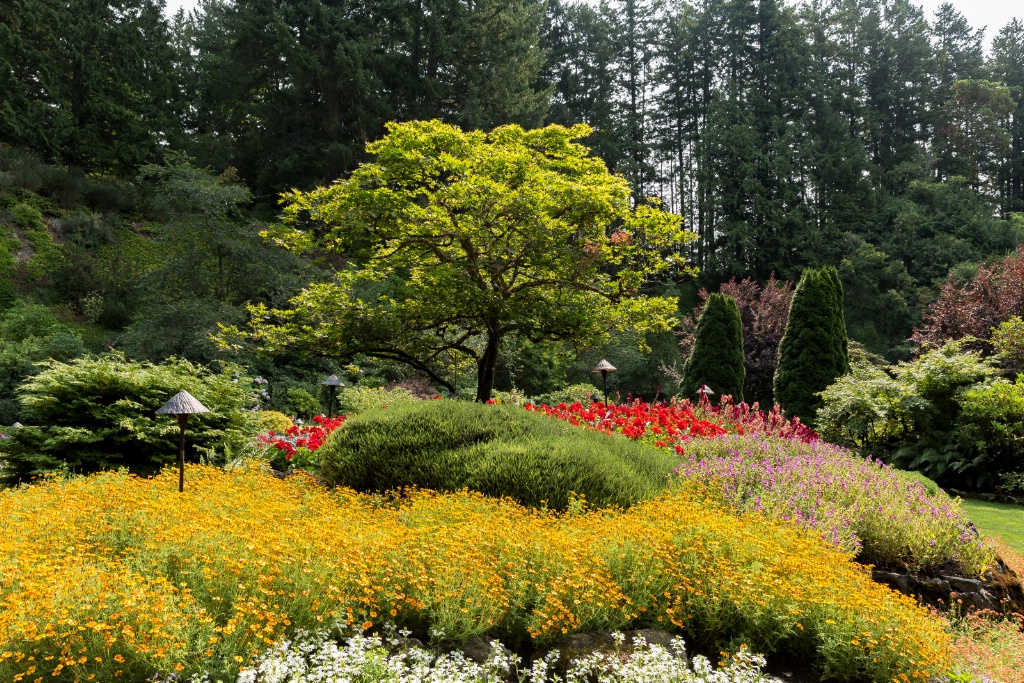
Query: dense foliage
(216,575)
(466,238)
(764,311)
(813,352)
(973,306)
(717,359)
(99,413)
(911,165)
(496,450)
(945,414)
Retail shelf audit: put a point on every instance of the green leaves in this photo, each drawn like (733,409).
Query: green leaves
(99,413)
(453,240)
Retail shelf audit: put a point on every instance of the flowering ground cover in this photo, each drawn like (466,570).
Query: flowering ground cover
(302,438)
(761,462)
(858,504)
(113,577)
(318,658)
(673,424)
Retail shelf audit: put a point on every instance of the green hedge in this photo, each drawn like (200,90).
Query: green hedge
(497,450)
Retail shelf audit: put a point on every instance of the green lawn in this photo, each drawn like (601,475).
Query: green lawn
(997,519)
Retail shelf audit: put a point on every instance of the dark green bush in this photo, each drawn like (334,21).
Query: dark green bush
(717,358)
(99,413)
(497,450)
(813,352)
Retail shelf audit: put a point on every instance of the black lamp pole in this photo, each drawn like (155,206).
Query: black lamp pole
(332,383)
(182,405)
(604,367)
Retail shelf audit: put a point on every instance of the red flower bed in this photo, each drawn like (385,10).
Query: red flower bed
(672,424)
(311,437)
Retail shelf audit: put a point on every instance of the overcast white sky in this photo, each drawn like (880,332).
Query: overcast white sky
(991,13)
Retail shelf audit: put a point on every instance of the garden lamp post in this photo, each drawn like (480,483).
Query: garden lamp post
(332,383)
(604,367)
(182,404)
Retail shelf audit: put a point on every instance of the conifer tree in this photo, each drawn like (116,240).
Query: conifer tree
(717,358)
(811,354)
(838,319)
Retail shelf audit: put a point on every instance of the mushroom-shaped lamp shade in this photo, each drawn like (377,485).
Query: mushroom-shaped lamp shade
(604,367)
(332,383)
(182,404)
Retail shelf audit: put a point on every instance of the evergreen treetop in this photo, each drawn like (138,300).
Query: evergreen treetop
(717,358)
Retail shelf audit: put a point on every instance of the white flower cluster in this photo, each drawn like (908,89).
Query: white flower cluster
(318,658)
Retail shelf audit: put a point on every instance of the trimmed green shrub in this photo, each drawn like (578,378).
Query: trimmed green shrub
(813,351)
(99,413)
(717,358)
(497,450)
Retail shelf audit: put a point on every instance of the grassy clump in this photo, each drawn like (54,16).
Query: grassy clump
(115,577)
(497,450)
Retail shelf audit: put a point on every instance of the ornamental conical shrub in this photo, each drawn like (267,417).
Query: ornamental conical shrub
(839,319)
(813,351)
(717,358)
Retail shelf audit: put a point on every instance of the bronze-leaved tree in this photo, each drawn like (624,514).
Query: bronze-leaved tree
(450,241)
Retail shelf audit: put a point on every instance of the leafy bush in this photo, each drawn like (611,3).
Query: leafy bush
(972,307)
(574,393)
(355,400)
(864,507)
(301,404)
(29,333)
(943,414)
(273,421)
(243,560)
(100,413)
(1008,341)
(497,450)
(717,357)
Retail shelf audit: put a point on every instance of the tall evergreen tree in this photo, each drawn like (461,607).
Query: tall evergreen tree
(811,355)
(300,86)
(1008,68)
(717,357)
(90,83)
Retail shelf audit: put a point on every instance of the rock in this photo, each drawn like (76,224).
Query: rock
(962,585)
(478,649)
(406,644)
(898,582)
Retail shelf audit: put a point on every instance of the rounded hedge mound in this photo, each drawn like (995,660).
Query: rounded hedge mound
(496,450)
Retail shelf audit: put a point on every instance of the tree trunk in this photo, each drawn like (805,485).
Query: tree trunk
(486,366)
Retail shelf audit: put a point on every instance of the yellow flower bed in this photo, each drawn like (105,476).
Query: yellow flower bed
(115,577)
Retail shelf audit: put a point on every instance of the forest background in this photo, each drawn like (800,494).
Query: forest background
(142,155)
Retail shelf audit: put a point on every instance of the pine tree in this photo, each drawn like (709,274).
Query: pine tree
(717,358)
(811,354)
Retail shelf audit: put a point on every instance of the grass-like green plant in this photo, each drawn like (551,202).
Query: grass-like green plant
(497,450)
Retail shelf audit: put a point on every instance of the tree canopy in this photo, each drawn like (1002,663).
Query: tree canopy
(450,241)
